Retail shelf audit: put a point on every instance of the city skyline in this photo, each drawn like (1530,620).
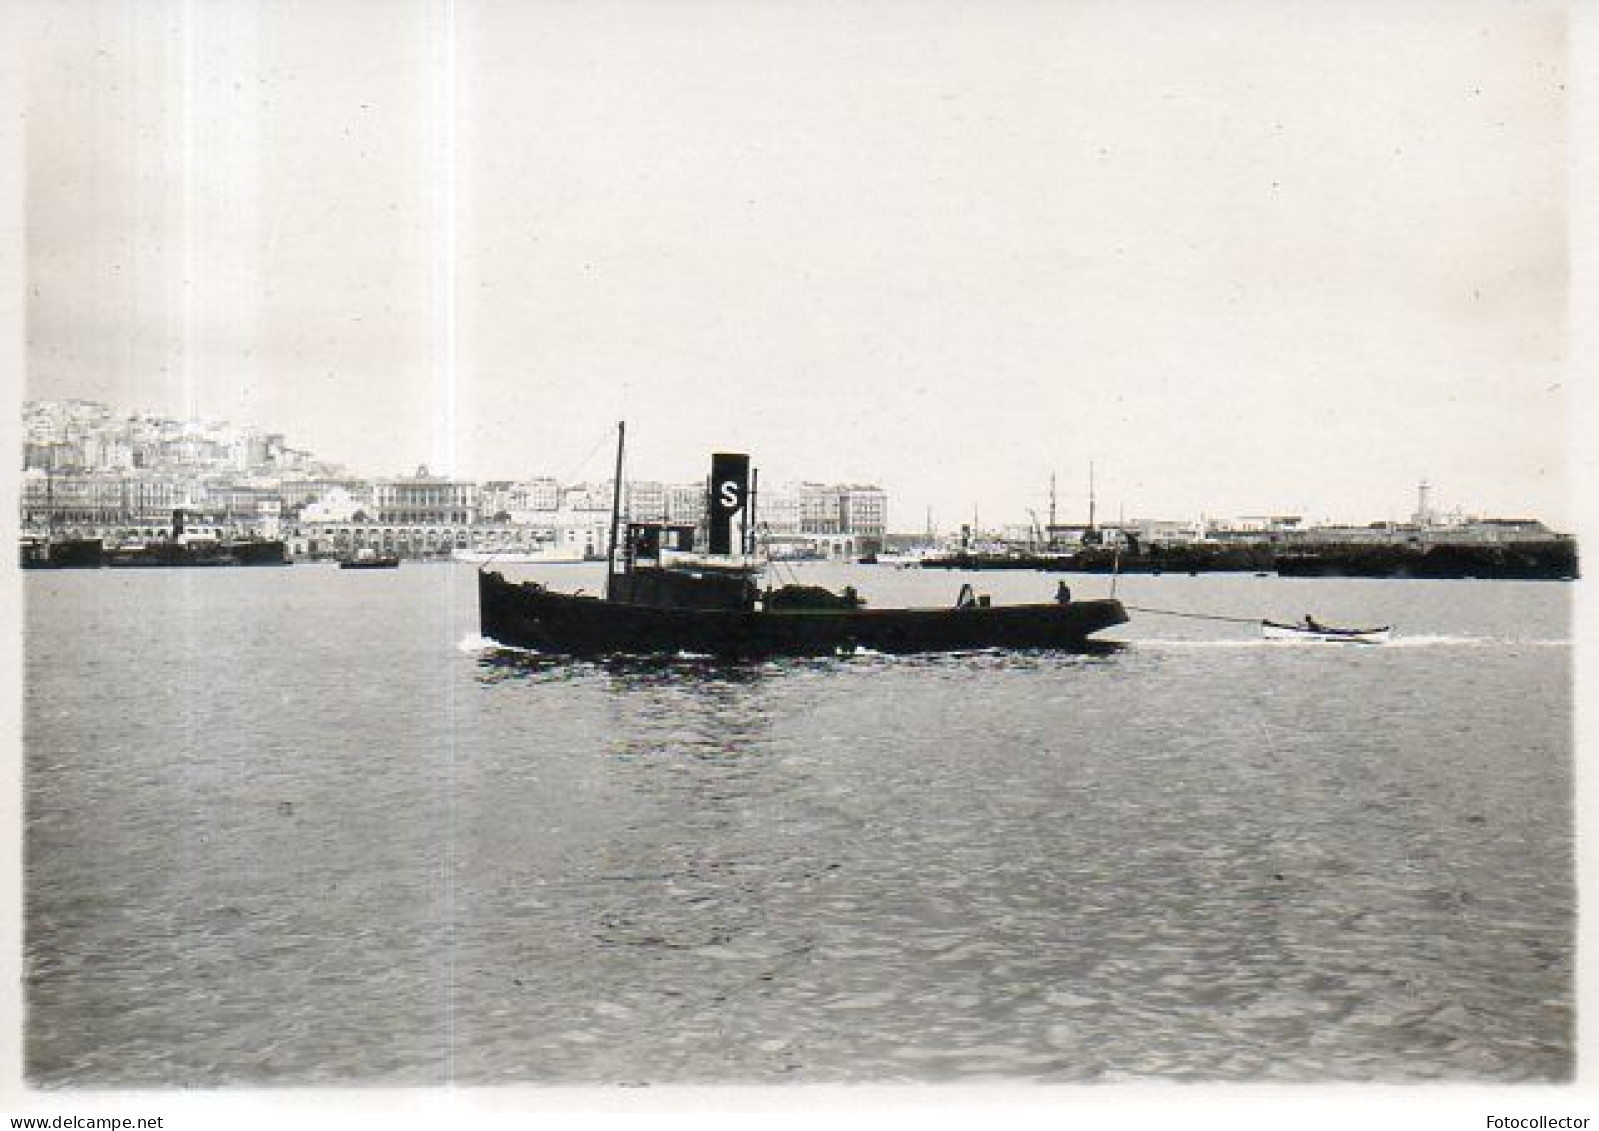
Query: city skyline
(309,465)
(1243,260)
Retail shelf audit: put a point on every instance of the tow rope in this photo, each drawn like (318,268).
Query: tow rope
(1193,616)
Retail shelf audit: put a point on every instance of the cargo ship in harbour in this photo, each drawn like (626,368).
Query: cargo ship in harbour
(188,546)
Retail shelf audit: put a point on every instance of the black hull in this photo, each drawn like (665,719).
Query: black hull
(64,553)
(267,552)
(530,616)
(1001,561)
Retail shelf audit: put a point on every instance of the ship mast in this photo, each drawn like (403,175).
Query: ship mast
(751,530)
(616,508)
(1090,494)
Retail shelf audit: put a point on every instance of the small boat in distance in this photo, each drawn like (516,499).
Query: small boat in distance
(368,558)
(1311,630)
(665,595)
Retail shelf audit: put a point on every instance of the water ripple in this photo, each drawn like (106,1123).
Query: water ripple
(427,858)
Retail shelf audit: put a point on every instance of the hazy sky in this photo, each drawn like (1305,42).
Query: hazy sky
(1246,257)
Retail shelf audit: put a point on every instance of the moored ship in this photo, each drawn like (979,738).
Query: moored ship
(187,547)
(62,553)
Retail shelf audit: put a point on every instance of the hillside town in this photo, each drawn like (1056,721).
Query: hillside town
(92,471)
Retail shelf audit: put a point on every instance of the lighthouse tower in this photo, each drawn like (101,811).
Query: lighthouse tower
(1423,516)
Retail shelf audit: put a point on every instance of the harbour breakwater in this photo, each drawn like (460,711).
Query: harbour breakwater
(1533,561)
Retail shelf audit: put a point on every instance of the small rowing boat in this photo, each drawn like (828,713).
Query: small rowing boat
(1310,630)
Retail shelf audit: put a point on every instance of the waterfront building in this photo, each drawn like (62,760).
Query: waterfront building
(399,539)
(820,512)
(1164,532)
(234,500)
(425,500)
(863,512)
(586,497)
(530,503)
(1253,529)
(778,511)
(645,501)
(54,455)
(583,534)
(494,500)
(511,537)
(297,492)
(1073,536)
(106,453)
(102,504)
(269,518)
(77,503)
(541,494)
(685,504)
(150,500)
(336,505)
(837,520)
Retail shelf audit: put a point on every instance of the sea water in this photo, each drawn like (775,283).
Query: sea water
(303,826)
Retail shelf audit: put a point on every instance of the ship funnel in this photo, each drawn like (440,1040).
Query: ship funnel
(730,488)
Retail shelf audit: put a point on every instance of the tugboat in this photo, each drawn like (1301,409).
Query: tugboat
(664,598)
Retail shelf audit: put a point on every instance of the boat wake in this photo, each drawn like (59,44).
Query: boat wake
(1444,641)
(1420,641)
(1440,641)
(475,645)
